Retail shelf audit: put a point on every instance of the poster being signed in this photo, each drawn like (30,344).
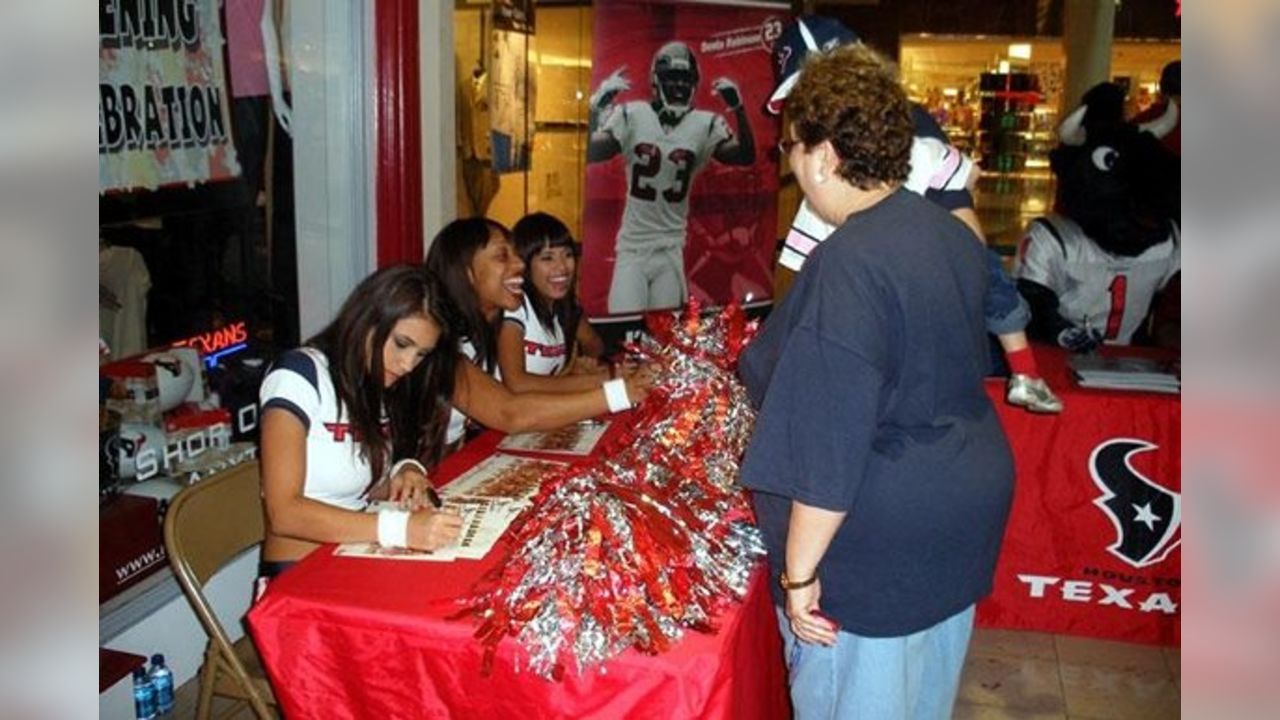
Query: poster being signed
(484,520)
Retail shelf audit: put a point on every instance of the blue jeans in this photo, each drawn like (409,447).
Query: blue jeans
(1004,309)
(914,677)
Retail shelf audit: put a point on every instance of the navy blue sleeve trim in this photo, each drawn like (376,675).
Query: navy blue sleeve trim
(289,406)
(298,362)
(514,321)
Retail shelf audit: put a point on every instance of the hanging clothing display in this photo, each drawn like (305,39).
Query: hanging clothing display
(123,282)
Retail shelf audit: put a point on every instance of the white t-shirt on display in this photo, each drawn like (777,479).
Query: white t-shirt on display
(123,272)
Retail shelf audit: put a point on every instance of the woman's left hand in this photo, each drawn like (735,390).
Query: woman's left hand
(409,489)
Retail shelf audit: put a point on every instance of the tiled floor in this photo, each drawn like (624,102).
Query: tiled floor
(1022,675)
(1011,674)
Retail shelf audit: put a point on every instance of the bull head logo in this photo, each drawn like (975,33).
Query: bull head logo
(1146,516)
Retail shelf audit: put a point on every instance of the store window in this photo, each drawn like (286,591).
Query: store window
(196,229)
(197,271)
(978,88)
(558,65)
(1000,98)
(205,109)
(235,215)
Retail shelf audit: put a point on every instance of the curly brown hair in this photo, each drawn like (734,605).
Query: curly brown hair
(851,96)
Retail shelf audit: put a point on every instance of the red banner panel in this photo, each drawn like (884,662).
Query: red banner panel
(1094,540)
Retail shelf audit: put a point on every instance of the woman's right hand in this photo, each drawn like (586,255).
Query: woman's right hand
(639,380)
(808,623)
(433,529)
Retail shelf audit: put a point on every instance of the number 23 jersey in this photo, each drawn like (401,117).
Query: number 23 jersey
(660,165)
(1111,293)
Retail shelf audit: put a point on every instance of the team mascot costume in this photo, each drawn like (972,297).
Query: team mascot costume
(1092,271)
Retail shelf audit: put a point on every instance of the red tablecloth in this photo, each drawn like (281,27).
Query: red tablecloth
(361,638)
(351,637)
(1068,564)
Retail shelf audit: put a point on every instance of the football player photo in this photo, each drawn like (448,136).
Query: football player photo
(664,142)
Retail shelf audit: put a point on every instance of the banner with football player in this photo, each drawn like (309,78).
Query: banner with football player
(163,111)
(682,178)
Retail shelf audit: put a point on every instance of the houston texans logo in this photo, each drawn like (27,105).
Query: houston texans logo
(1147,517)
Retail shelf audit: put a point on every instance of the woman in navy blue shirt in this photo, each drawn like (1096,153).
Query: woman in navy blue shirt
(880,474)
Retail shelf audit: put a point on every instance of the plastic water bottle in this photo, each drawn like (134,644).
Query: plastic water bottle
(144,695)
(162,680)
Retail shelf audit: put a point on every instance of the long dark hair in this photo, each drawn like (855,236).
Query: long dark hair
(417,405)
(449,260)
(531,235)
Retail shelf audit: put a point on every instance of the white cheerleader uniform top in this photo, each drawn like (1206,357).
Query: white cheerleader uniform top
(299,383)
(545,351)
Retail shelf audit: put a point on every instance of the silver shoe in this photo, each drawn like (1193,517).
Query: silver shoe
(1032,393)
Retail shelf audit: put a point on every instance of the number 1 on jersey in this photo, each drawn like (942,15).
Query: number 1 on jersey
(1119,291)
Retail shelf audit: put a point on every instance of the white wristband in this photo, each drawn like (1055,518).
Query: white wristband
(407,462)
(615,395)
(393,528)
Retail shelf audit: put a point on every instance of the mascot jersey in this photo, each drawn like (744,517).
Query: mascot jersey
(544,350)
(660,165)
(299,383)
(1110,293)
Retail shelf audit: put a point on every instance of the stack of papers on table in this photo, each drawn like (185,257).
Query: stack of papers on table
(577,439)
(502,476)
(1125,373)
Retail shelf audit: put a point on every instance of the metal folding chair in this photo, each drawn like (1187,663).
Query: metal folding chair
(208,524)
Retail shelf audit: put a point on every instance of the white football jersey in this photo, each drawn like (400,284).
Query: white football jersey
(660,165)
(935,165)
(1110,293)
(544,350)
